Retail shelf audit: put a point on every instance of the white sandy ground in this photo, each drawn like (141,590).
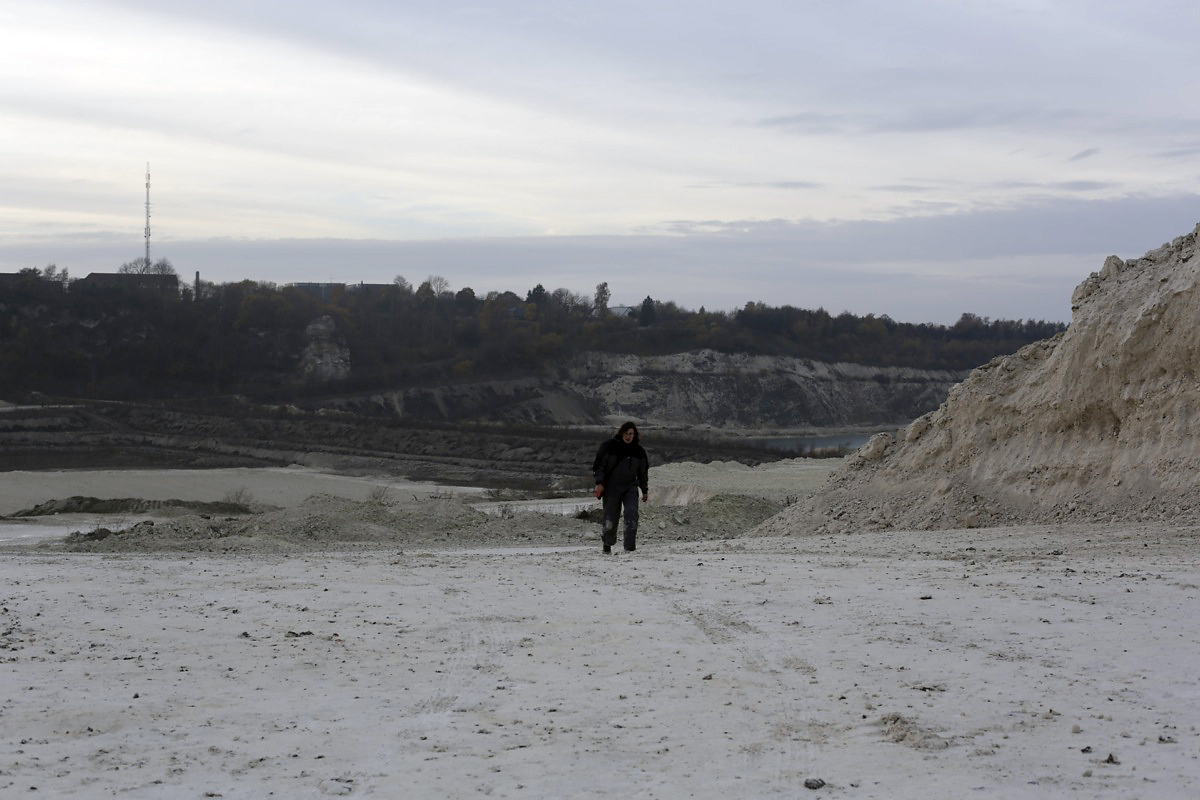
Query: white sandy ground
(1002,663)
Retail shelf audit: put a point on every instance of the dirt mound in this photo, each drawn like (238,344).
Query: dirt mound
(333,523)
(323,522)
(1099,423)
(128,505)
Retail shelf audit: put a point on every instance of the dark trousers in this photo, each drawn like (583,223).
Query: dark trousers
(616,499)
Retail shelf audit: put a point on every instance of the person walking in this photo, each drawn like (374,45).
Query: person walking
(621,468)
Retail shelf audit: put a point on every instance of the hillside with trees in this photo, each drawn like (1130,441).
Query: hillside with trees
(142,338)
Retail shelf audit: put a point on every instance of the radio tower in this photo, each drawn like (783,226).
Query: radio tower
(147,216)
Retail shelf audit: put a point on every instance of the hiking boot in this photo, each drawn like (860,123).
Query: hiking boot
(607,550)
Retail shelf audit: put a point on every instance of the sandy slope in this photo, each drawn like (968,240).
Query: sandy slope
(1100,423)
(1006,663)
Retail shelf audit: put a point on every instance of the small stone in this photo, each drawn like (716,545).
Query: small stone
(813,783)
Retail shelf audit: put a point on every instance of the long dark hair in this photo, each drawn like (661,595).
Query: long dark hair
(628,426)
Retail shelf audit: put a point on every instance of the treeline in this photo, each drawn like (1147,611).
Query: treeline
(249,337)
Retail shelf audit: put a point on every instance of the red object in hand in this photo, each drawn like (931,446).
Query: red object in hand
(599,490)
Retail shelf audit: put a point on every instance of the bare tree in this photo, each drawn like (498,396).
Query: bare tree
(139,266)
(570,302)
(51,272)
(439,284)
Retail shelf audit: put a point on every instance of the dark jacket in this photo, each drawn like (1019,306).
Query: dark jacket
(620,464)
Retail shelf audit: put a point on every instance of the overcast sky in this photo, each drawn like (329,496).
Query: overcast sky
(915,158)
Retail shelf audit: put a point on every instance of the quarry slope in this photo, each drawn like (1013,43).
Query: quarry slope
(701,388)
(1099,423)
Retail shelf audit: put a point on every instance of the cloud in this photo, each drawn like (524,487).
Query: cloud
(1082,186)
(927,120)
(1054,226)
(785,185)
(1058,186)
(906,188)
(816,123)
(899,156)
(788,185)
(1182,153)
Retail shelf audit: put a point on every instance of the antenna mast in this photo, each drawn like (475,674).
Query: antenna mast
(147,216)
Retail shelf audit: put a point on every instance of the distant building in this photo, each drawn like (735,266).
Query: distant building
(26,285)
(623,311)
(371,287)
(116,282)
(321,291)
(30,278)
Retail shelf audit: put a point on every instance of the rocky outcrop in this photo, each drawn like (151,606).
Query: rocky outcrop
(325,358)
(1101,422)
(703,388)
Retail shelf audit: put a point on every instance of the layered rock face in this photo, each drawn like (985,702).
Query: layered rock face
(1102,422)
(702,388)
(736,390)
